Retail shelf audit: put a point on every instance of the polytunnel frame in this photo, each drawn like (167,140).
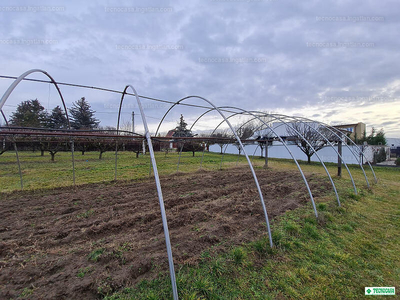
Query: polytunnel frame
(148,138)
(315,152)
(329,142)
(285,145)
(329,128)
(316,131)
(241,145)
(302,137)
(352,142)
(7,95)
(290,153)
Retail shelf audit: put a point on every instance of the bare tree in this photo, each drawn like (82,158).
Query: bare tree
(134,146)
(126,126)
(244,131)
(264,139)
(222,138)
(53,145)
(104,145)
(310,131)
(192,146)
(83,145)
(6,145)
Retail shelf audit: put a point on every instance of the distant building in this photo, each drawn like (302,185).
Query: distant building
(393,143)
(356,131)
(172,145)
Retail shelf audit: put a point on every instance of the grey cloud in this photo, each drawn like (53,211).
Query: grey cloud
(292,75)
(389,123)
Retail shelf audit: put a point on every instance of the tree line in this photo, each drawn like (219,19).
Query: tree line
(31,113)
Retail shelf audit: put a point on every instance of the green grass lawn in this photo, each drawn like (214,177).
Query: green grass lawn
(40,172)
(335,257)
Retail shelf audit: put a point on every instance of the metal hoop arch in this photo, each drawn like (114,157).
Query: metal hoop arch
(11,89)
(330,144)
(241,145)
(116,142)
(159,192)
(330,128)
(290,153)
(276,118)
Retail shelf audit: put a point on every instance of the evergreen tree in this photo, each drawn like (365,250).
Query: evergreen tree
(181,130)
(57,119)
(29,113)
(82,116)
(375,138)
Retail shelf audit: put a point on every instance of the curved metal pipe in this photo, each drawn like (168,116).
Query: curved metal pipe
(284,144)
(204,149)
(22,77)
(319,158)
(241,145)
(254,153)
(16,152)
(222,157)
(159,192)
(331,145)
(323,164)
(363,155)
(290,153)
(329,128)
(203,114)
(14,85)
(116,141)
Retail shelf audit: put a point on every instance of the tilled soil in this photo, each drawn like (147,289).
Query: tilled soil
(66,244)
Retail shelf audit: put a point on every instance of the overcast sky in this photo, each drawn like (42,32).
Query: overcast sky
(333,61)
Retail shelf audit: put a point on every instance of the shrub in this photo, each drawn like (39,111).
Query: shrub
(398,161)
(380,156)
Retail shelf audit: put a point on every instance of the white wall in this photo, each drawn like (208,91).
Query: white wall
(327,154)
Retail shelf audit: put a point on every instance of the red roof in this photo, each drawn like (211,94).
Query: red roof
(170,133)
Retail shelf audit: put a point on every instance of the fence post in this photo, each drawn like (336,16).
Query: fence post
(339,159)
